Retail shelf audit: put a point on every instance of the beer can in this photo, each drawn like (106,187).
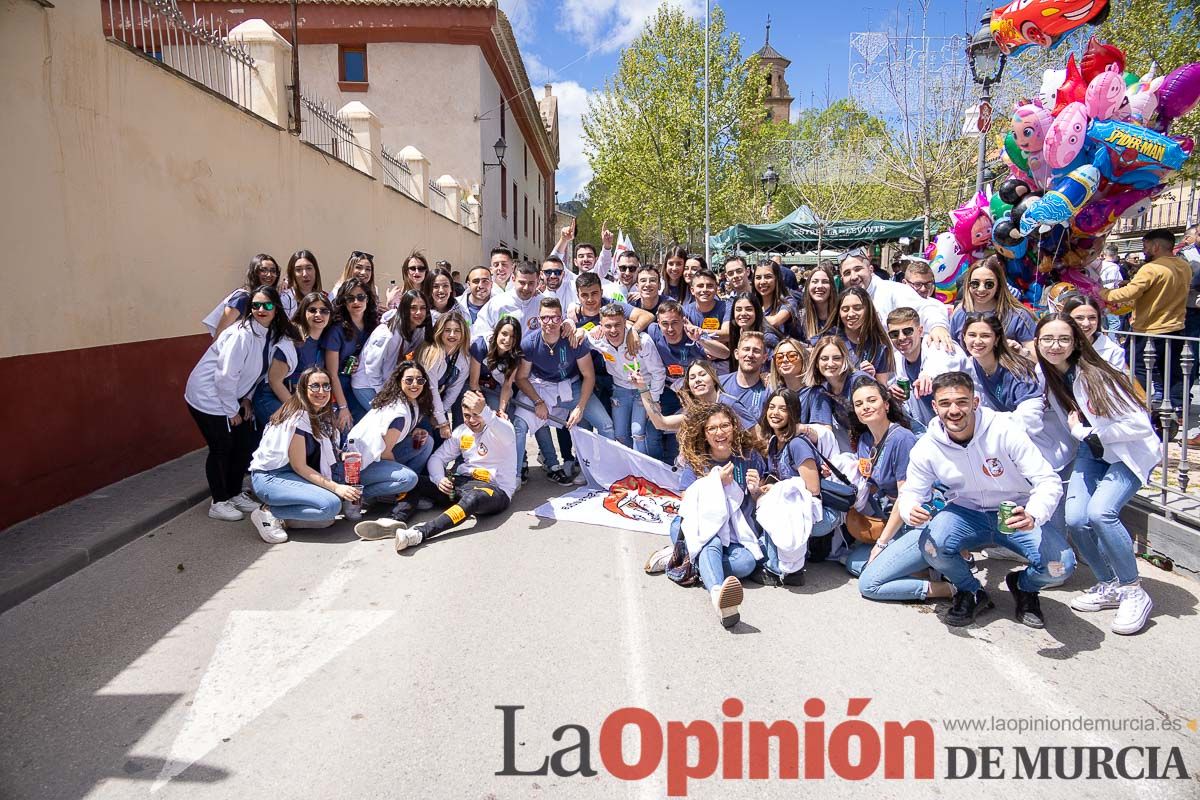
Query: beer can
(905,386)
(1002,514)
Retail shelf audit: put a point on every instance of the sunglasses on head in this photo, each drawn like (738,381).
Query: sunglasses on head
(856,252)
(898,332)
(256,306)
(444,264)
(361,254)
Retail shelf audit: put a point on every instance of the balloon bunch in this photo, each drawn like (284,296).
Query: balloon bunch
(1094,147)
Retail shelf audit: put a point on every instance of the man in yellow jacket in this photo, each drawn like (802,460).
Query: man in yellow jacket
(1159,293)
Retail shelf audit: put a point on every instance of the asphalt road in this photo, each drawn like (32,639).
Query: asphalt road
(198,662)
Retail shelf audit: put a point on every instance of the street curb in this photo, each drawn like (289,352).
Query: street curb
(53,565)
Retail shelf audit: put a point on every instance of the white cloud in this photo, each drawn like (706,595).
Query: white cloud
(538,70)
(608,25)
(521,15)
(573,170)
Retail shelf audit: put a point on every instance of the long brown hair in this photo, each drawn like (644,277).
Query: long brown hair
(1012,360)
(1006,305)
(686,398)
(433,351)
(320,421)
(1098,377)
(393,390)
(873,333)
(693,444)
(812,372)
(774,379)
(810,324)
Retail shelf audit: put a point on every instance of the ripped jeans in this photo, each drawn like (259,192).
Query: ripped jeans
(629,418)
(1051,560)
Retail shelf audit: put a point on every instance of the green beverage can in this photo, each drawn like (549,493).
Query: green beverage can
(905,386)
(1002,514)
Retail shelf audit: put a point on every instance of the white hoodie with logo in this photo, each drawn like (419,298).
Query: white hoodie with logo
(999,463)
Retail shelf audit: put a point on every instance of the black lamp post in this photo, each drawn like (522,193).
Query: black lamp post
(501,148)
(987,66)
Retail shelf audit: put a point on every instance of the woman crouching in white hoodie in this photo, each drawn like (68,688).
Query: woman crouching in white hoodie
(219,392)
(293,466)
(1117,450)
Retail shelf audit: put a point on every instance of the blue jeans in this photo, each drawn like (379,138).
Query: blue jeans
(828,521)
(1051,560)
(629,418)
(1095,496)
(363,397)
(520,426)
(660,444)
(715,562)
(265,404)
(357,409)
(385,479)
(593,413)
(291,497)
(887,577)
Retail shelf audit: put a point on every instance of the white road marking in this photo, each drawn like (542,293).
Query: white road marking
(263,655)
(633,632)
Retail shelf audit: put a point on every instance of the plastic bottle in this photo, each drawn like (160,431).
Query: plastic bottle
(352,474)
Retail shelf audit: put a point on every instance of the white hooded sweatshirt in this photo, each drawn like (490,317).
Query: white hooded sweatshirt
(228,371)
(999,463)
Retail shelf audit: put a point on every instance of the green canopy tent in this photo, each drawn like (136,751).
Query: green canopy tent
(800,230)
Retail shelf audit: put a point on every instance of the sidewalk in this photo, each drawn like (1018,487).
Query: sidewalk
(39,552)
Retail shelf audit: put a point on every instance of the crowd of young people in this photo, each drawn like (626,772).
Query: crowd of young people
(846,418)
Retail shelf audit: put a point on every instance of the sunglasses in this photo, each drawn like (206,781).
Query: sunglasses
(320,311)
(899,332)
(552,273)
(418,268)
(550,320)
(319,387)
(415,380)
(788,355)
(445,264)
(356,298)
(981,284)
(857,252)
(361,254)
(262,306)
(628,267)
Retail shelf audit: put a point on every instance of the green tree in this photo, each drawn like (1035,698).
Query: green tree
(644,133)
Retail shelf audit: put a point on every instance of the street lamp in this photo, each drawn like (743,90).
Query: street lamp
(987,66)
(501,148)
(769,181)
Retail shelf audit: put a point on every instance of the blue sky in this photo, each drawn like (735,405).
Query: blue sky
(574,44)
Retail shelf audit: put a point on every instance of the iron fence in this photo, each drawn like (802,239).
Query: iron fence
(396,172)
(196,47)
(321,127)
(1181,211)
(464,214)
(1164,366)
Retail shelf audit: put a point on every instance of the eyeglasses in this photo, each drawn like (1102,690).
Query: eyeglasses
(262,306)
(919,284)
(361,254)
(417,268)
(1056,341)
(356,298)
(719,428)
(269,270)
(552,273)
(901,332)
(320,311)
(319,387)
(414,380)
(981,284)
(550,320)
(789,356)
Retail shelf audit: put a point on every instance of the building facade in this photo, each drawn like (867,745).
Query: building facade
(446,73)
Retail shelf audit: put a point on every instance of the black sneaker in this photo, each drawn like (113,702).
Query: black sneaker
(525,474)
(1029,608)
(966,607)
(559,476)
(402,511)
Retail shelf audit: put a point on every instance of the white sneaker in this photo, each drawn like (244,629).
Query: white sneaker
(725,599)
(408,537)
(244,502)
(269,529)
(1097,598)
(657,562)
(373,530)
(1133,611)
(226,510)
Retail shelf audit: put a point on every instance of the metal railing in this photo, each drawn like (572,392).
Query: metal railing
(464,214)
(197,48)
(396,172)
(1177,497)
(1182,210)
(321,127)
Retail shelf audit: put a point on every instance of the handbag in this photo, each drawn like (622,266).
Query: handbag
(864,528)
(680,568)
(836,496)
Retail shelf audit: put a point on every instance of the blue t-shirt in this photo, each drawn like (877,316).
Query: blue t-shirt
(552,363)
(710,320)
(784,462)
(479,351)
(308,354)
(890,463)
(675,357)
(472,310)
(638,303)
(880,357)
(336,339)
(240,300)
(816,406)
(746,403)
(589,322)
(1019,327)
(1003,391)
(312,450)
